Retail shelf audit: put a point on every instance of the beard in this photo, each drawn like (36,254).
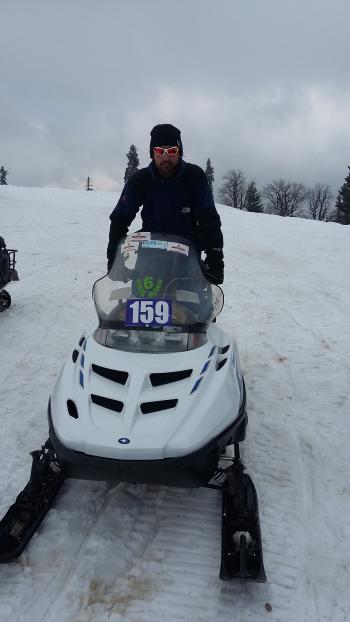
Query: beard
(167,168)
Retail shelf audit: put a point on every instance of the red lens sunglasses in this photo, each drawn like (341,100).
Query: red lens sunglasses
(170,151)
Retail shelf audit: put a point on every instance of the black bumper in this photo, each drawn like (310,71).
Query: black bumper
(192,470)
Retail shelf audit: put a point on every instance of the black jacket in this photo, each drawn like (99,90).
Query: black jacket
(183,206)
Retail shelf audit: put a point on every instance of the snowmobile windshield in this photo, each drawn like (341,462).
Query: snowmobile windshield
(156,285)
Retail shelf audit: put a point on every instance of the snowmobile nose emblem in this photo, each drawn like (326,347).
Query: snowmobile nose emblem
(124,440)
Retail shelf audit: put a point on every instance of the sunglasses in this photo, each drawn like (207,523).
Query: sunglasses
(170,151)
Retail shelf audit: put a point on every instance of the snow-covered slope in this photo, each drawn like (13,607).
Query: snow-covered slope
(139,553)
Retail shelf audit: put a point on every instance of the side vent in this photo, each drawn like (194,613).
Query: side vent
(75,355)
(111,374)
(224,349)
(168,377)
(106,402)
(221,364)
(81,341)
(72,409)
(154,407)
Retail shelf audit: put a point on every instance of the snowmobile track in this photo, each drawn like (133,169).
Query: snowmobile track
(145,549)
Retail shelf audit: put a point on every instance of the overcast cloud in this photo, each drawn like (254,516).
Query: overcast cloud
(260,85)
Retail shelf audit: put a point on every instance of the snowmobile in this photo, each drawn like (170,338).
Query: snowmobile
(7,273)
(155,395)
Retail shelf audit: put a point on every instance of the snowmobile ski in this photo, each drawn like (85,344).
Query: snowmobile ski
(32,504)
(241,549)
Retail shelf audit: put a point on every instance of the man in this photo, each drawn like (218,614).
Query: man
(176,199)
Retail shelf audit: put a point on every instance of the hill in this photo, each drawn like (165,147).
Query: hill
(144,553)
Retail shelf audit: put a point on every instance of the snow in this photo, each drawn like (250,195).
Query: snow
(109,552)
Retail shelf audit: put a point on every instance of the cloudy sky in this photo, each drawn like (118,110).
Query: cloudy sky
(260,85)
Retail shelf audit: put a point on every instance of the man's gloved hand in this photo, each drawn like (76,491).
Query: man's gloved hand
(213,266)
(213,274)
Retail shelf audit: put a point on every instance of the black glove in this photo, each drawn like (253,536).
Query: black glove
(213,266)
(213,274)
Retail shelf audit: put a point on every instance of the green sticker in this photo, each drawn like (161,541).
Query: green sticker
(148,287)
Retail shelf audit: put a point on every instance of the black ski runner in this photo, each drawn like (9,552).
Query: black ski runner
(32,504)
(241,548)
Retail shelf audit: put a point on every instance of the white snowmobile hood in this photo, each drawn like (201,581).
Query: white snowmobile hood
(143,406)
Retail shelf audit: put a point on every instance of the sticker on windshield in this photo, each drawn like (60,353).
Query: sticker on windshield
(129,246)
(155,244)
(140,236)
(148,287)
(155,312)
(176,247)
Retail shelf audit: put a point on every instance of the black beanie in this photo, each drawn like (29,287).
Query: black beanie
(165,134)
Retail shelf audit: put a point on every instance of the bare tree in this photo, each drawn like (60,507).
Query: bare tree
(234,189)
(89,184)
(319,201)
(284,197)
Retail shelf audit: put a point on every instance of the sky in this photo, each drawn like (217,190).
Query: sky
(257,85)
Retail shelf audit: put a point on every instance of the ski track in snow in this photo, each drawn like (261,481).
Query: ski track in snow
(108,552)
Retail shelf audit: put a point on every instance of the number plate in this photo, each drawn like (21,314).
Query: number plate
(148,312)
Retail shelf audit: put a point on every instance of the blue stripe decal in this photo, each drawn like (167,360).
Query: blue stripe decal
(205,367)
(212,351)
(82,360)
(196,385)
(81,379)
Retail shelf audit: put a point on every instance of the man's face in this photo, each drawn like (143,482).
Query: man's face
(166,164)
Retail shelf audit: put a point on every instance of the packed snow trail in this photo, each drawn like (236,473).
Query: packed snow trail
(109,552)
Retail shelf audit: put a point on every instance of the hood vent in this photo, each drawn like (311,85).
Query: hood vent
(106,402)
(221,364)
(168,377)
(72,409)
(224,349)
(111,374)
(154,407)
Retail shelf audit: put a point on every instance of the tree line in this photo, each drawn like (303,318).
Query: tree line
(280,197)
(286,198)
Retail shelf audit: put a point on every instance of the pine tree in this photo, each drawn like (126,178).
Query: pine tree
(89,184)
(133,163)
(209,171)
(253,202)
(343,202)
(3,177)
